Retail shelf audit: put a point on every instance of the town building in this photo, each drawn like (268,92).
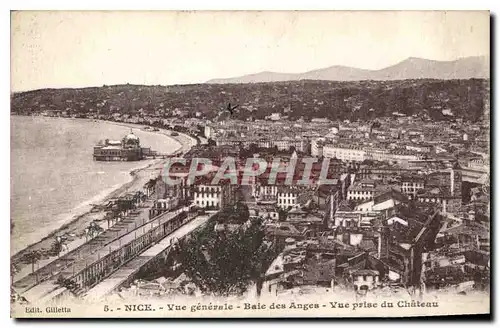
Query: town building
(208,132)
(345,154)
(213,197)
(410,185)
(317,148)
(364,190)
(163,205)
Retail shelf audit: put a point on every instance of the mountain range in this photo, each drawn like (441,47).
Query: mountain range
(411,68)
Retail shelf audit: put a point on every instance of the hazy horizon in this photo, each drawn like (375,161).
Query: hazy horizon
(90,49)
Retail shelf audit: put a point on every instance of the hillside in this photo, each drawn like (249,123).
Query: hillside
(465,99)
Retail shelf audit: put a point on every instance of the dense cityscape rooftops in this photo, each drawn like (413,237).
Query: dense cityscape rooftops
(409,192)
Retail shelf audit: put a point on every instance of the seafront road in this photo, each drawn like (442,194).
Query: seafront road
(127,271)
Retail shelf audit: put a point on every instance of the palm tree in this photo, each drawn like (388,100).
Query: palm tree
(13,270)
(111,216)
(135,199)
(58,245)
(66,283)
(93,230)
(139,197)
(32,257)
(124,205)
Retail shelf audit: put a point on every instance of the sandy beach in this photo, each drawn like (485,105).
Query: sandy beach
(74,229)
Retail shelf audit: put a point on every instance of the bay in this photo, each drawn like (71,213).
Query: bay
(54,177)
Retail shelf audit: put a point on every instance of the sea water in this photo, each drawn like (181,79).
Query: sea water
(54,177)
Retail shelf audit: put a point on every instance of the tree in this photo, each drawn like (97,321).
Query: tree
(237,213)
(124,205)
(56,248)
(226,263)
(110,216)
(32,257)
(13,271)
(138,198)
(211,142)
(58,245)
(282,214)
(253,148)
(93,230)
(66,283)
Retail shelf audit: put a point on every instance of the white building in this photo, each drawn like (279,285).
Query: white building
(167,203)
(317,147)
(282,144)
(360,194)
(347,219)
(265,193)
(363,190)
(213,197)
(288,197)
(410,185)
(398,157)
(344,153)
(208,132)
(275,116)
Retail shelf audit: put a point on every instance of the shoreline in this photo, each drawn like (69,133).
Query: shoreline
(112,194)
(73,225)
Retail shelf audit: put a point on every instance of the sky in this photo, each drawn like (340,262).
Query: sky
(77,49)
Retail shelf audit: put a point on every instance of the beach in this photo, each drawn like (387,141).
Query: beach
(73,229)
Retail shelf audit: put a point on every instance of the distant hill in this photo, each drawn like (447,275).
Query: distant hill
(336,100)
(411,68)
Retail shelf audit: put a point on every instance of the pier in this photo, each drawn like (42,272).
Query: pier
(162,156)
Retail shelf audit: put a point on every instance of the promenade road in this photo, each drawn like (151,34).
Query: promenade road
(118,230)
(120,276)
(46,286)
